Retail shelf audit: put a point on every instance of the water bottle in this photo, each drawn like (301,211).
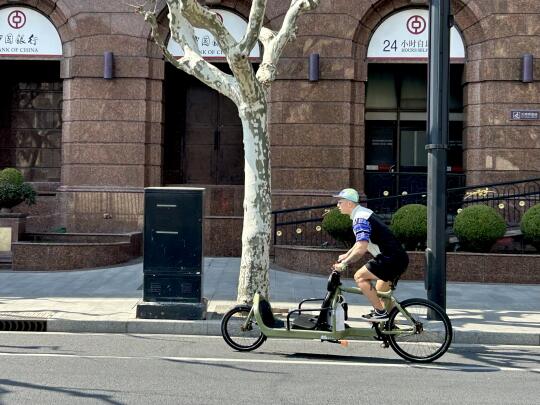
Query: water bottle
(340,318)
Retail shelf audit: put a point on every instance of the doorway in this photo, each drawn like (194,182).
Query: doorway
(203,133)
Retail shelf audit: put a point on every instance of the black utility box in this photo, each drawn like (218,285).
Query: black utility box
(173,254)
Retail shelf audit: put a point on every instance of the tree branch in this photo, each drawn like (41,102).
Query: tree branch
(267,70)
(192,62)
(256,18)
(201,17)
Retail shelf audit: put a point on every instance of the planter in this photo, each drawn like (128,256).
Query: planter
(7,205)
(461,266)
(70,251)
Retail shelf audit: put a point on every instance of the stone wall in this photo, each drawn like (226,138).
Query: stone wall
(462,266)
(112,129)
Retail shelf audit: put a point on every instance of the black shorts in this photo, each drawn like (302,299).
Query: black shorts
(388,268)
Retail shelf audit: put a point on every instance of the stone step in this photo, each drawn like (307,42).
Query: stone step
(5,260)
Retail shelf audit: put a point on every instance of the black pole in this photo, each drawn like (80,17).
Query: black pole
(439,64)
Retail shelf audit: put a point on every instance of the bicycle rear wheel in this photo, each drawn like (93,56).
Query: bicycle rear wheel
(427,338)
(239,332)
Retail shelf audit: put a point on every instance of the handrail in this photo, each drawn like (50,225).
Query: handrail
(527,191)
(408,195)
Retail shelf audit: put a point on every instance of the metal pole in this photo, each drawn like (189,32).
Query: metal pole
(439,62)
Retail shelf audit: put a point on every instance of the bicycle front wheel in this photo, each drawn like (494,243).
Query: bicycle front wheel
(421,332)
(240,330)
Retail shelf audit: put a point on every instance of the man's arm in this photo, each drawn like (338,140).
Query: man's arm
(345,255)
(355,253)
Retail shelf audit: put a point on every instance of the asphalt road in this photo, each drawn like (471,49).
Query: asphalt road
(55,368)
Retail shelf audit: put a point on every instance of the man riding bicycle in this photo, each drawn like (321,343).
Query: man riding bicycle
(389,258)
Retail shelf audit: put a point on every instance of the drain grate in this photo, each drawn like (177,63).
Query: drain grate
(27,325)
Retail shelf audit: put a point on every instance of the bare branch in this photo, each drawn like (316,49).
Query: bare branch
(289,27)
(201,17)
(256,18)
(192,62)
(267,70)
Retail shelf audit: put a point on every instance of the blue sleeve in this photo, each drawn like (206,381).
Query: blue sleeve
(361,229)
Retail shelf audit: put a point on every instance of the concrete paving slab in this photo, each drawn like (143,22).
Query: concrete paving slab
(105,300)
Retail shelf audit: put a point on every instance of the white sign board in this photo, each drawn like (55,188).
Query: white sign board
(208,45)
(27,34)
(405,36)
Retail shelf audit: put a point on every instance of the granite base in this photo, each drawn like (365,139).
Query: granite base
(172,310)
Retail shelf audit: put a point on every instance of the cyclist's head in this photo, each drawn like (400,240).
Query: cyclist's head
(348,200)
(348,194)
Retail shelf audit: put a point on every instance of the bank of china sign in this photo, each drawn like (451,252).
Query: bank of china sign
(405,36)
(207,43)
(27,34)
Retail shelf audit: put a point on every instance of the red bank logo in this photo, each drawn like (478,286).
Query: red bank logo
(416,25)
(16,19)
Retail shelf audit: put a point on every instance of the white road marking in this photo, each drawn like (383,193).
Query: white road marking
(207,360)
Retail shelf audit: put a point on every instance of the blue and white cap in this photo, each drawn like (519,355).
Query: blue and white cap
(348,194)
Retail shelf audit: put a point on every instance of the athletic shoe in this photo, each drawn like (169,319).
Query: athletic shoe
(376,316)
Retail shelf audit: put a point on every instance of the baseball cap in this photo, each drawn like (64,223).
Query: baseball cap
(349,194)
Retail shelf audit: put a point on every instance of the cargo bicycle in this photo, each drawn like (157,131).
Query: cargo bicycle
(417,329)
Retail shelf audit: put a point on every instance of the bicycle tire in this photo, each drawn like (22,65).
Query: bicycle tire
(243,341)
(432,335)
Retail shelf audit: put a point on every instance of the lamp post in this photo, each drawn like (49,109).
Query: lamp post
(438,84)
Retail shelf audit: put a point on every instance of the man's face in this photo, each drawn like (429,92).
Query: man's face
(345,206)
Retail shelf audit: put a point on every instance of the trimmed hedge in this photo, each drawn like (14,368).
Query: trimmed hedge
(339,227)
(409,225)
(11,176)
(13,190)
(530,226)
(478,227)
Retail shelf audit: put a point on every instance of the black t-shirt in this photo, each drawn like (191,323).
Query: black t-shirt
(369,227)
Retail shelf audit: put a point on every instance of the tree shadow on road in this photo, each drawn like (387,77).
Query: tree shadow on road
(496,357)
(76,393)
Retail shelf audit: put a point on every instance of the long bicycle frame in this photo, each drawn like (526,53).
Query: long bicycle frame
(334,334)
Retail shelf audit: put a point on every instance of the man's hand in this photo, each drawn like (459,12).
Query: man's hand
(342,257)
(340,266)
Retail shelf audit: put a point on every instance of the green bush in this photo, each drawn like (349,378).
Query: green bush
(409,224)
(478,227)
(530,226)
(11,176)
(13,190)
(339,227)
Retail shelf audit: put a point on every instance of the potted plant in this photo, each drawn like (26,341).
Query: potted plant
(13,190)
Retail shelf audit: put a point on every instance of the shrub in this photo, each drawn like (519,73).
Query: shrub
(11,176)
(409,224)
(339,227)
(530,226)
(478,227)
(13,190)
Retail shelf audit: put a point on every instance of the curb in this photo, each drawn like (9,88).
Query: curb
(212,328)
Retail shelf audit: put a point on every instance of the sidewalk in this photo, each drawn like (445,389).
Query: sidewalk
(105,300)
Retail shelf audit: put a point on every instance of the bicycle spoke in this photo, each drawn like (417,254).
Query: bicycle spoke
(430,335)
(240,330)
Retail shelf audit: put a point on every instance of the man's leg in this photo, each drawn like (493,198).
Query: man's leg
(363,279)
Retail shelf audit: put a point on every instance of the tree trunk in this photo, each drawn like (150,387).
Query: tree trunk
(256,232)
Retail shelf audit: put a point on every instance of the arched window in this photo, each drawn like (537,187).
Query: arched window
(30,94)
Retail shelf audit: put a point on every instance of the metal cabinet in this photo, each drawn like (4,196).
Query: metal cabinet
(173,244)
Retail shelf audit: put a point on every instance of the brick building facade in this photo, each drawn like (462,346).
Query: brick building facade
(91,145)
